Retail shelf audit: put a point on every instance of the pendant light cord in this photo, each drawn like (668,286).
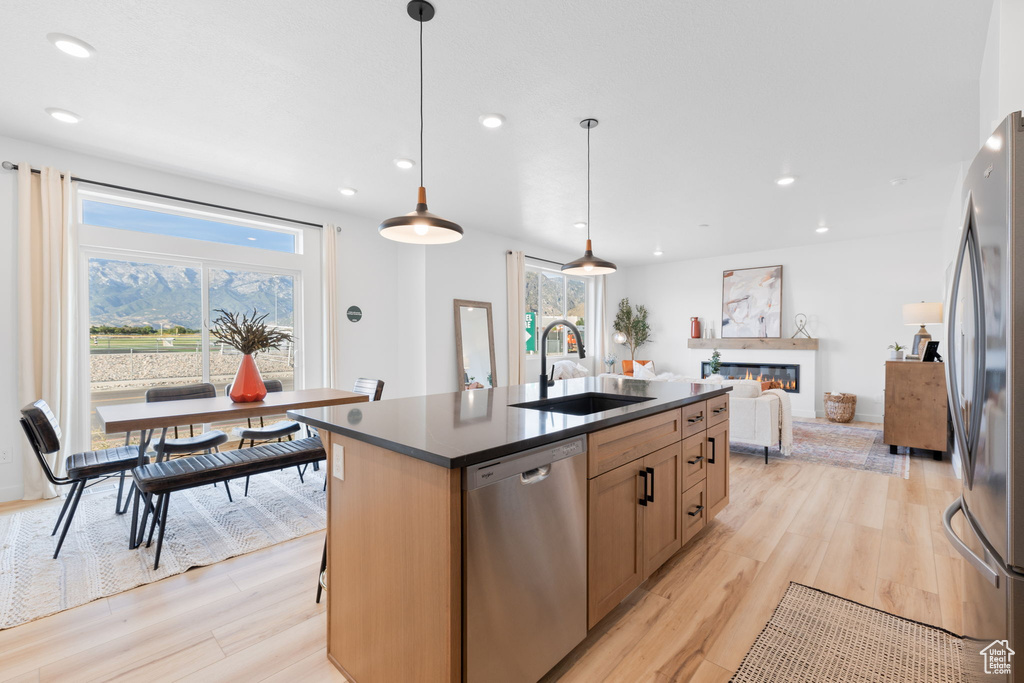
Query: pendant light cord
(588,184)
(421,97)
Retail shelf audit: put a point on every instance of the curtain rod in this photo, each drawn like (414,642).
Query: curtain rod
(538,258)
(9,166)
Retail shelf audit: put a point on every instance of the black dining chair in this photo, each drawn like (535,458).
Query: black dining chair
(203,442)
(43,434)
(282,429)
(374,388)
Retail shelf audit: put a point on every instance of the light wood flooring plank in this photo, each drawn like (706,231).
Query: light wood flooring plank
(850,566)
(865,504)
(908,602)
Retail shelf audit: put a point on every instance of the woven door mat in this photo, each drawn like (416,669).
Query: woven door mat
(816,636)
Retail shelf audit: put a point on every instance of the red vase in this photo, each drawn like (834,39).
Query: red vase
(248,385)
(694,328)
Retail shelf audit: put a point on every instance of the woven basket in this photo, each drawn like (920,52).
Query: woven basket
(840,407)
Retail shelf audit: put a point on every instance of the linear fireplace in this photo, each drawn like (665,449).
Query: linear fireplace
(778,375)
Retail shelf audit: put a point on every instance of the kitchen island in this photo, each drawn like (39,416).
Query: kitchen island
(433,572)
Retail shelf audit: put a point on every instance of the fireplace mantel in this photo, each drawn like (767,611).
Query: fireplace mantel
(800,343)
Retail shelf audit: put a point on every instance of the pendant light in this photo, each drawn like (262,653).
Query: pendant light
(420,226)
(588,264)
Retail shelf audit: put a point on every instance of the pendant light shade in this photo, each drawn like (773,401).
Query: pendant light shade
(589,264)
(420,226)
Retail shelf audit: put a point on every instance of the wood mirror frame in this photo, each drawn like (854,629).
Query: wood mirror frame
(460,371)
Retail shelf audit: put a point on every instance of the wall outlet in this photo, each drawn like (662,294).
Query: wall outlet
(338,462)
(5,455)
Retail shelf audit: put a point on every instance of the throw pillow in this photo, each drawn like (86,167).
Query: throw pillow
(642,370)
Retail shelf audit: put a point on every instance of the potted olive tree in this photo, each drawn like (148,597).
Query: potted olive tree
(631,326)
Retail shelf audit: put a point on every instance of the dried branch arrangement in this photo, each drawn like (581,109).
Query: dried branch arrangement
(248,334)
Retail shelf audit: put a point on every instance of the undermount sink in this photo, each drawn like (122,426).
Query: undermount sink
(582,404)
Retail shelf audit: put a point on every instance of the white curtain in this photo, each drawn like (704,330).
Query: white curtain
(515,272)
(48,327)
(329,273)
(597,345)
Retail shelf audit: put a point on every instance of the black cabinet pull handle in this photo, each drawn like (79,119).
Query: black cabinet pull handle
(699,418)
(711,458)
(650,496)
(695,460)
(720,410)
(696,511)
(643,496)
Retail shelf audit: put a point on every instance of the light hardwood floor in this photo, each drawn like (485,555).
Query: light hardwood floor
(865,536)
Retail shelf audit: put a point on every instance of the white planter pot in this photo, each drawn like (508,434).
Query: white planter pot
(896,355)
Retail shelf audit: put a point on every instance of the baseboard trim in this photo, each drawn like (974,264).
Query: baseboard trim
(13,492)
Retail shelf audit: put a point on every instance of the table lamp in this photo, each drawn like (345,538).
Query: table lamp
(922,314)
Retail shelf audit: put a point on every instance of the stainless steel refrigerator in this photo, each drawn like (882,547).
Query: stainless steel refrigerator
(985,378)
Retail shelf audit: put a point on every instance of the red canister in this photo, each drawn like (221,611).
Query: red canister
(694,328)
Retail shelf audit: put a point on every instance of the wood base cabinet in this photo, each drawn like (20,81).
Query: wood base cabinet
(642,512)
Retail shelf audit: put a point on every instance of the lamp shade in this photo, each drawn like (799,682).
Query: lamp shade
(420,226)
(922,313)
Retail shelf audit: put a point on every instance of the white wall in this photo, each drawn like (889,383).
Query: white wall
(1001,82)
(851,291)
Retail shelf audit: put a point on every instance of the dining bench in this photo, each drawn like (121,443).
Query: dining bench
(157,481)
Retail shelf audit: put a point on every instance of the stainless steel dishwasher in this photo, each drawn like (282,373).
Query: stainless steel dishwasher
(525,573)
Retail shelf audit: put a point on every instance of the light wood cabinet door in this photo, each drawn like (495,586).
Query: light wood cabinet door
(616,446)
(663,533)
(718,409)
(615,561)
(718,468)
(695,459)
(695,418)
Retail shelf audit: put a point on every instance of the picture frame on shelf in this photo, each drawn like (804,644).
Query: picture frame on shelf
(752,303)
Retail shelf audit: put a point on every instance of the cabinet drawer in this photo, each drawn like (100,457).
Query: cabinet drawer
(695,511)
(695,460)
(616,446)
(695,418)
(718,409)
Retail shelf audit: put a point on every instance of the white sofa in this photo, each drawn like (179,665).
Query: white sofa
(761,418)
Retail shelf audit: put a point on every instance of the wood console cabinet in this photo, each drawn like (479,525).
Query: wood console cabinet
(656,497)
(916,413)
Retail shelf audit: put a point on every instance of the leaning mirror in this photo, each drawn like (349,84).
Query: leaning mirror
(474,344)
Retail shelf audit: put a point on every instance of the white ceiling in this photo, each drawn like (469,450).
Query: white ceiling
(702,105)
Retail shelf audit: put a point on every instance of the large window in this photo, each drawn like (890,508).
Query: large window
(151,289)
(551,296)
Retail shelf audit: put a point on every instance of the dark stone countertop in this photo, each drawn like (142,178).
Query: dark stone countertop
(465,428)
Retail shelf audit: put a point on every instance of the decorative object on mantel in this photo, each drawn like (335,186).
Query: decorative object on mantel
(716,364)
(840,407)
(783,344)
(420,226)
(588,264)
(695,328)
(897,351)
(752,302)
(631,323)
(800,320)
(922,314)
(609,362)
(248,335)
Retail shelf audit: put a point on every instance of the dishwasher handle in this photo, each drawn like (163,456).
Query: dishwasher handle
(535,475)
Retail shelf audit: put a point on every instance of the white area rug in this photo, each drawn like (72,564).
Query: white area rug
(203,527)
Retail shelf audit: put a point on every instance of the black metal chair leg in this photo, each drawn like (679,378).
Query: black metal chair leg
(152,526)
(127,499)
(64,508)
(135,519)
(147,506)
(120,489)
(323,568)
(301,480)
(247,487)
(71,516)
(163,525)
(765,455)
(227,488)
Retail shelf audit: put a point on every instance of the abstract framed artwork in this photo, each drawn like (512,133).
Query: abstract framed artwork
(752,302)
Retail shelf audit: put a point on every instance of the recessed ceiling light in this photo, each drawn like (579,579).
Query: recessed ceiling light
(63,115)
(251,239)
(658,251)
(897,181)
(347,191)
(580,225)
(994,142)
(404,163)
(785,180)
(71,45)
(492,120)
(821,228)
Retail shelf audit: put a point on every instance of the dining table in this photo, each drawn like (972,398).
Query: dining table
(147,418)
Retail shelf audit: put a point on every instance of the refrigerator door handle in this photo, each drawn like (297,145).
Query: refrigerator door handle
(952,388)
(978,292)
(978,563)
